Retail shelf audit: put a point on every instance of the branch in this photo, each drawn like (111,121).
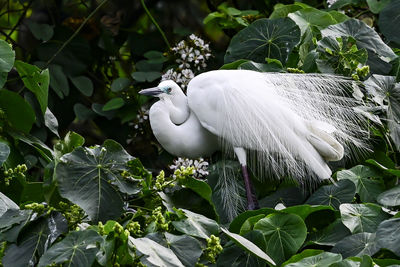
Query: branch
(75,33)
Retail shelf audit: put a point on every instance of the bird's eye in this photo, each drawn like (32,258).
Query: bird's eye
(169,90)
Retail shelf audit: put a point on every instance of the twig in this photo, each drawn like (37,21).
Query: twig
(156,24)
(8,36)
(74,34)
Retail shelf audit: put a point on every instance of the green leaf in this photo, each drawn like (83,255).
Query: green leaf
(196,225)
(303,211)
(18,112)
(284,235)
(389,20)
(84,84)
(282,11)
(264,38)
(311,17)
(82,112)
(388,235)
(304,254)
(3,79)
(38,237)
(51,122)
(89,177)
(120,84)
(6,204)
(248,246)
(200,187)
(362,217)
(367,181)
(357,245)
(154,254)
(386,92)
(238,222)
(330,235)
(36,80)
(248,225)
(77,249)
(376,6)
(11,223)
(155,57)
(114,103)
(7,57)
(366,38)
(41,31)
(320,260)
(233,65)
(148,76)
(4,153)
(58,80)
(390,198)
(188,249)
(334,195)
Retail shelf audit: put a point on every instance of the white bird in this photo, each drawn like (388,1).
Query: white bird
(286,124)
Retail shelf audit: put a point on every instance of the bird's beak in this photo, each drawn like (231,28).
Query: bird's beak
(154,91)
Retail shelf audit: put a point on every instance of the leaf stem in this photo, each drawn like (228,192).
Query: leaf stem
(155,24)
(75,33)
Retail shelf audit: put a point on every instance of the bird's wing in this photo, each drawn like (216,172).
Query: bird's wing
(276,115)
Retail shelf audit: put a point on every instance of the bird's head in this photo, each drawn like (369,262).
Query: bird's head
(166,88)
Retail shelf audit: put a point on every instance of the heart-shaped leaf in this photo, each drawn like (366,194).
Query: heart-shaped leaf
(367,181)
(389,20)
(357,245)
(362,217)
(196,225)
(7,56)
(284,234)
(76,249)
(90,177)
(333,195)
(264,38)
(390,197)
(388,235)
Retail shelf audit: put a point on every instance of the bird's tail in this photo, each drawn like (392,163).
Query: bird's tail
(293,123)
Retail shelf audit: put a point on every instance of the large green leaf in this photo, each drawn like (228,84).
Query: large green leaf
(330,235)
(333,195)
(19,113)
(11,223)
(76,249)
(388,235)
(362,217)
(312,17)
(284,235)
(196,225)
(234,254)
(282,11)
(36,80)
(4,152)
(35,240)
(248,246)
(7,56)
(391,197)
(357,245)
(188,249)
(154,253)
(320,260)
(84,84)
(367,181)
(90,177)
(304,210)
(6,204)
(41,31)
(366,38)
(58,80)
(238,222)
(376,6)
(264,38)
(386,92)
(389,21)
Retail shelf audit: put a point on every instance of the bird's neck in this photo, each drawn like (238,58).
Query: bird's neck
(178,109)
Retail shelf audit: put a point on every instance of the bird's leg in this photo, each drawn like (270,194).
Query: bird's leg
(252,203)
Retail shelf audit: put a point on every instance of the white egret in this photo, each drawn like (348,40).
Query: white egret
(284,123)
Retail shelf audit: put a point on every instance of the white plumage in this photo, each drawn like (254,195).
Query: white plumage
(289,124)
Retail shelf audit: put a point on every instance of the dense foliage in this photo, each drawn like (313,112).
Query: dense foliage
(69,76)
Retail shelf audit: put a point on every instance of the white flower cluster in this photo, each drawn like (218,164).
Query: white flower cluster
(141,118)
(200,166)
(191,54)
